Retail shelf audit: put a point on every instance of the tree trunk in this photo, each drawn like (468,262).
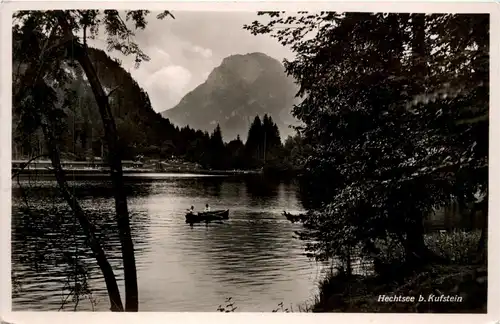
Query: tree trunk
(416,252)
(115,164)
(87,226)
(29,80)
(482,250)
(482,247)
(415,249)
(348,261)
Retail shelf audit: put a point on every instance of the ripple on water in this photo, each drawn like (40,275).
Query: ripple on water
(252,257)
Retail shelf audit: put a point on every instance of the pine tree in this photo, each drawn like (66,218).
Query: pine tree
(254,144)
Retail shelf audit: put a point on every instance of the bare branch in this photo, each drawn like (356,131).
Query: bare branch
(165,14)
(42,53)
(26,164)
(66,299)
(60,42)
(113,90)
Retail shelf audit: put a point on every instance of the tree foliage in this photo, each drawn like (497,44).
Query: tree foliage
(45,46)
(396,107)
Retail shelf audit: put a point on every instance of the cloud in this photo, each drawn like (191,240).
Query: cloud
(159,56)
(185,50)
(204,52)
(167,86)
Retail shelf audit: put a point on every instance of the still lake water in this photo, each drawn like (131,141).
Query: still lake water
(253,257)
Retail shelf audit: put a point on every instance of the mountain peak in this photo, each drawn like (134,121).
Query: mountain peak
(241,87)
(253,55)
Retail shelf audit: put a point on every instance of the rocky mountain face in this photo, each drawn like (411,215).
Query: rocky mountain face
(242,87)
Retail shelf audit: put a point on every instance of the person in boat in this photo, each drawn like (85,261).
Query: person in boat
(207,208)
(191,210)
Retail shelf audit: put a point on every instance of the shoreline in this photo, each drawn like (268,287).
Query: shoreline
(129,172)
(454,288)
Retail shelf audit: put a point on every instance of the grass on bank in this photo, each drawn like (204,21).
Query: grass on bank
(461,278)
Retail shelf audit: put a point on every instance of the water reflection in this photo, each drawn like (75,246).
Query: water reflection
(265,191)
(212,187)
(252,257)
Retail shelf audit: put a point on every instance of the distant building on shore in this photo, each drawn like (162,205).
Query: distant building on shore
(47,164)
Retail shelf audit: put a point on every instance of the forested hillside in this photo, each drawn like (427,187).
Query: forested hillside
(142,132)
(140,129)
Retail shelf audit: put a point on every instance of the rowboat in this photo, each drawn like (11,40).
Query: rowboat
(295,218)
(207,216)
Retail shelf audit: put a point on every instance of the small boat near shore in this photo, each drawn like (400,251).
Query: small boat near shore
(215,215)
(295,218)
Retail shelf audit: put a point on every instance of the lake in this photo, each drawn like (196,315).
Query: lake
(253,257)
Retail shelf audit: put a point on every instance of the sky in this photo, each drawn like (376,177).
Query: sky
(186,49)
